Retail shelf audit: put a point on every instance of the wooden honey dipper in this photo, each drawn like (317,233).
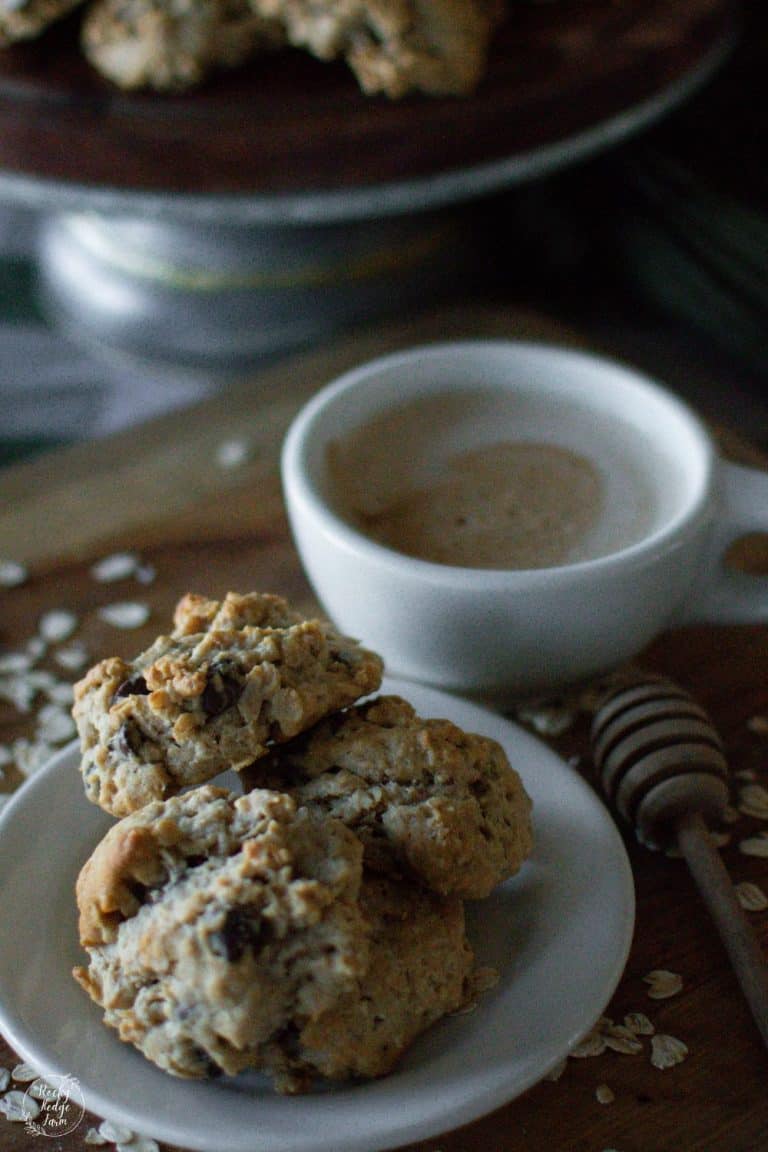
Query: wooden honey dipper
(662,766)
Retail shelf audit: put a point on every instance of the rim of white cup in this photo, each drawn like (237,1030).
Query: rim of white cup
(304,497)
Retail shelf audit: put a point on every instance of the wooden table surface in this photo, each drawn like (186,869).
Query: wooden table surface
(158,489)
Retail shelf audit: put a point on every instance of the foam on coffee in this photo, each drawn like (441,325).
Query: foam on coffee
(489,479)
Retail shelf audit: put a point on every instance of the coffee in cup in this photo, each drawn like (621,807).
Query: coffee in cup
(490,481)
(626,535)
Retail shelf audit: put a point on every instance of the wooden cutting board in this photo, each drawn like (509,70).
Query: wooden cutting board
(159,490)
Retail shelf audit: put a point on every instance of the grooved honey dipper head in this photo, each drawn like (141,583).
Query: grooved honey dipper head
(658,757)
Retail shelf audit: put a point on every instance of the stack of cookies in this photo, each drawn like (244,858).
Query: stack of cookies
(314,925)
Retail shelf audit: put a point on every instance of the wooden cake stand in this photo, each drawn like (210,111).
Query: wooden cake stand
(279,200)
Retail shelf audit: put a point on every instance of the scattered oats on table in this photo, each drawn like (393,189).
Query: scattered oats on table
(663,984)
(57,625)
(547,719)
(15,662)
(667,1051)
(125,614)
(639,1023)
(755,845)
(233,453)
(12,574)
(24,1073)
(751,897)
(117,566)
(73,658)
(593,1044)
(55,724)
(18,1108)
(620,1038)
(138,1144)
(95,1138)
(40,1090)
(753,801)
(115,1133)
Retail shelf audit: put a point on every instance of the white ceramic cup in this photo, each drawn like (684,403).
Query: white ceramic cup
(503,633)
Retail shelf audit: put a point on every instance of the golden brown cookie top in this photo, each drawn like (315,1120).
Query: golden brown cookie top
(213,925)
(234,677)
(427,799)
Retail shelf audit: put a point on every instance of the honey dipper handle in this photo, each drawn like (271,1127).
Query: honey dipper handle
(736,933)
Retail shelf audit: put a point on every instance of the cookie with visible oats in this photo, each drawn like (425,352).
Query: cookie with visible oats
(227,934)
(25,19)
(395,46)
(419,971)
(216,927)
(427,799)
(172,45)
(233,678)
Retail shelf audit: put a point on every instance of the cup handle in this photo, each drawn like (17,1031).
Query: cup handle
(725,597)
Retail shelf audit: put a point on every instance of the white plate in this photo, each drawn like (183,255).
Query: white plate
(559,933)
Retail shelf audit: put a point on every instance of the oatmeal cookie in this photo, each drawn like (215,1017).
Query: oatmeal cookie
(233,677)
(25,19)
(426,798)
(395,46)
(172,45)
(419,969)
(216,927)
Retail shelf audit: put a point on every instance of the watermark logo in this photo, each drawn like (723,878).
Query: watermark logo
(56,1108)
